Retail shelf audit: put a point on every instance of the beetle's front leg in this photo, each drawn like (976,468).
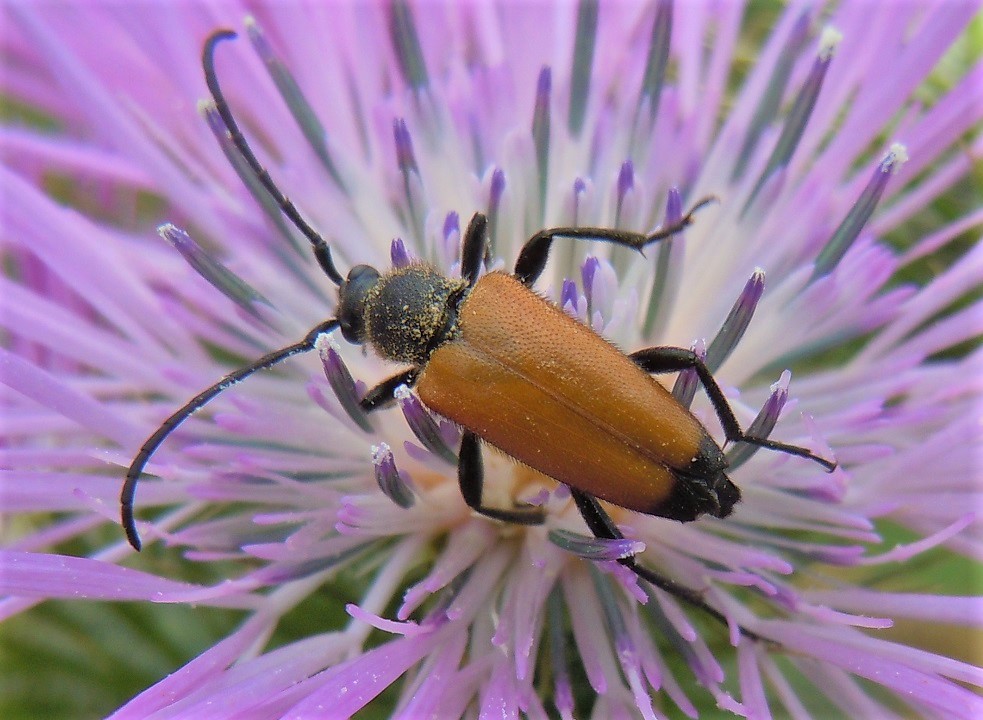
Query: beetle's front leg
(471,477)
(532,258)
(473,248)
(382,395)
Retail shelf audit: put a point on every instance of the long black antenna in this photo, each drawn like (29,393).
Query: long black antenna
(196,403)
(321,251)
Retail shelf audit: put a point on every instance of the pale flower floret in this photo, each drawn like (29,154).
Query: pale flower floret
(897,156)
(829,39)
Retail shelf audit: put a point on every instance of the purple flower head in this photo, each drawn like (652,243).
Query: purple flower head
(832,289)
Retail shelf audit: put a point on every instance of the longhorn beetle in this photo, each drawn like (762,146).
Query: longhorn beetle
(514,371)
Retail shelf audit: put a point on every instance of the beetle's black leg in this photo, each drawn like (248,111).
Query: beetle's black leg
(473,248)
(382,394)
(602,526)
(471,477)
(674,359)
(532,258)
(196,403)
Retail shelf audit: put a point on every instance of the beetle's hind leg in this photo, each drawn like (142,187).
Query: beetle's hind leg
(673,359)
(471,477)
(602,526)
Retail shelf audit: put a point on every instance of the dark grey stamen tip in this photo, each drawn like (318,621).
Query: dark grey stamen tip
(423,425)
(217,274)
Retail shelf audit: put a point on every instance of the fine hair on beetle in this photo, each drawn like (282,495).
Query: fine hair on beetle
(604,427)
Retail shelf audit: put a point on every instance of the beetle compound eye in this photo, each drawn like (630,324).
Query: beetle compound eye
(352,299)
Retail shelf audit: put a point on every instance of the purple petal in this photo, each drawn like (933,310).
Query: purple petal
(40,575)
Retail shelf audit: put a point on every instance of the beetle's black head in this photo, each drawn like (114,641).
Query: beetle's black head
(404,314)
(352,300)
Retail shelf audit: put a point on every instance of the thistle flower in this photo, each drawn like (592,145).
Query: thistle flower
(387,125)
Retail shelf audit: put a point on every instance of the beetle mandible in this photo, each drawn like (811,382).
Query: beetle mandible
(516,372)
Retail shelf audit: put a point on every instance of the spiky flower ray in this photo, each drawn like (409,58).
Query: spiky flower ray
(108,330)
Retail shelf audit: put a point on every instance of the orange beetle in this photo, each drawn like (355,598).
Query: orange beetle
(516,372)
